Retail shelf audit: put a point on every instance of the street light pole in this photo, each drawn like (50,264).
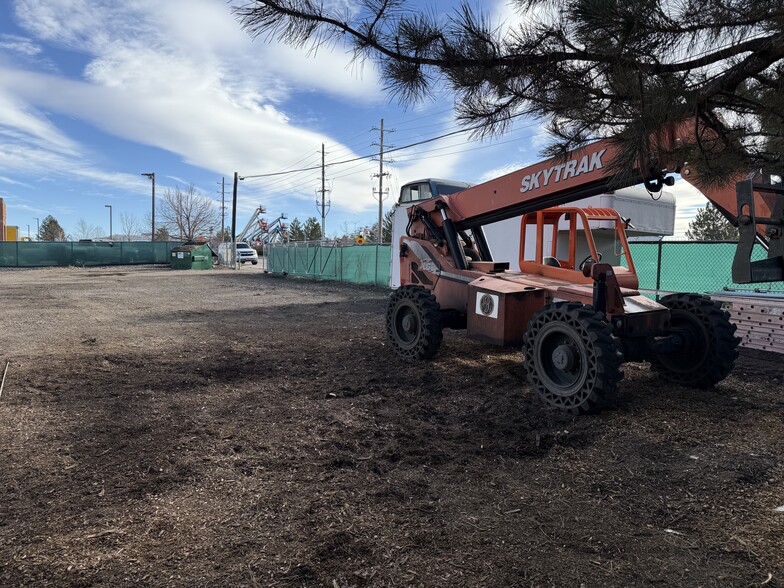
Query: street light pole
(37,228)
(152,177)
(111,233)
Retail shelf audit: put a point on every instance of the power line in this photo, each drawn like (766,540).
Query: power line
(286,180)
(424,116)
(362,157)
(343,175)
(349,146)
(418,155)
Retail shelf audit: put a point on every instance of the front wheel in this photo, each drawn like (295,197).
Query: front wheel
(709,348)
(572,358)
(414,325)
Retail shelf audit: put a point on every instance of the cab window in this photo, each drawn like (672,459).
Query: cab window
(416,192)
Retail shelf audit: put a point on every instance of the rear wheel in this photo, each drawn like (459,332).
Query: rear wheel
(572,358)
(414,325)
(709,348)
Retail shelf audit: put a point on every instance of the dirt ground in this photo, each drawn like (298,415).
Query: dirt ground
(222,428)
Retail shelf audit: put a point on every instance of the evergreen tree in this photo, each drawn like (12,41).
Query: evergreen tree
(386,235)
(295,231)
(590,68)
(51,230)
(162,233)
(710,225)
(312,229)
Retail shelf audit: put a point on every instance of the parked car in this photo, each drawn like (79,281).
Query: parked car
(245,253)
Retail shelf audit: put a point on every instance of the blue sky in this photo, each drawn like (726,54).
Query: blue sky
(95,92)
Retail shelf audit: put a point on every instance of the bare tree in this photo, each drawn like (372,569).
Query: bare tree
(187,213)
(130,225)
(85,230)
(349,228)
(591,69)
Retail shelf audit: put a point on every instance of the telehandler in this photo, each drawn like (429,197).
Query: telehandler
(576,317)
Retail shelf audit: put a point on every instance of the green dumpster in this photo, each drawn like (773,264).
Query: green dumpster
(196,256)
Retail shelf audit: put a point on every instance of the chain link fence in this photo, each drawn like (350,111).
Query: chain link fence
(692,266)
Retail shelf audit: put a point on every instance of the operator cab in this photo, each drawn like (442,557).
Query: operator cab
(426,189)
(429,188)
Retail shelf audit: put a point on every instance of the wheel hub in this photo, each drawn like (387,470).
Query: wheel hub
(564,358)
(409,324)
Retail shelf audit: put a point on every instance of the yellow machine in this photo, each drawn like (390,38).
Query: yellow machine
(11,233)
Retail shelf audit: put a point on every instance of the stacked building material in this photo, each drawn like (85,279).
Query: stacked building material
(759,318)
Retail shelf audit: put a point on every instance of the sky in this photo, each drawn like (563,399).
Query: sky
(94,93)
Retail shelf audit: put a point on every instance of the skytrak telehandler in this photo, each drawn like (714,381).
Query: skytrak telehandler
(577,318)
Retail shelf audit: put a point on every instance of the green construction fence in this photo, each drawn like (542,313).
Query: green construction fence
(692,266)
(669,266)
(358,264)
(80,253)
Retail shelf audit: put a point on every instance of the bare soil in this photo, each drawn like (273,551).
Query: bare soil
(221,428)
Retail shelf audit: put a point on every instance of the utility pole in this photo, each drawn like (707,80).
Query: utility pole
(381,173)
(325,206)
(109,206)
(152,177)
(234,222)
(37,228)
(223,209)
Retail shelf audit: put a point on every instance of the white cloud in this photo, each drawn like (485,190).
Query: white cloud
(20,45)
(181,76)
(13,182)
(12,206)
(199,35)
(35,161)
(500,171)
(506,15)
(177,75)
(71,23)
(19,119)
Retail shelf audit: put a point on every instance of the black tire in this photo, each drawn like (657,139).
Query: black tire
(414,325)
(572,358)
(710,349)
